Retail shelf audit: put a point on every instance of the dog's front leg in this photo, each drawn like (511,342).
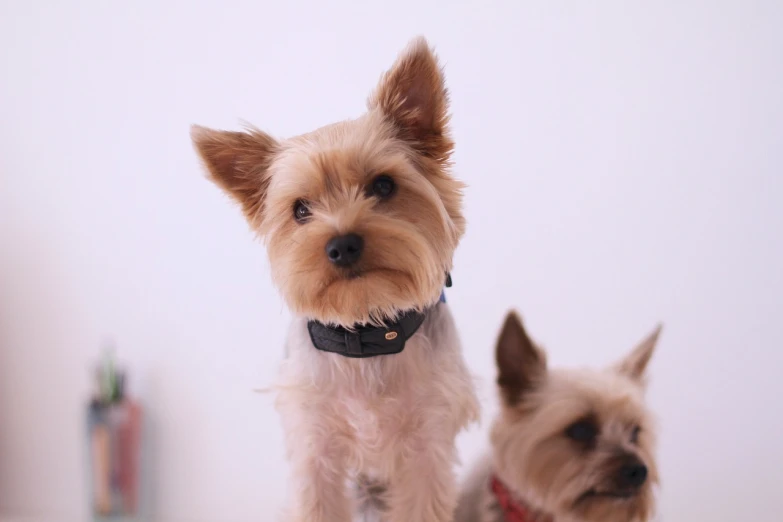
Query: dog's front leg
(423,487)
(317,450)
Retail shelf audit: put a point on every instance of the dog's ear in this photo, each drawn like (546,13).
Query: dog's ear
(238,163)
(521,364)
(634,365)
(412,95)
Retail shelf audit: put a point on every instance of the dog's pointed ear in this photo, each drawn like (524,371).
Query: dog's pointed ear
(238,163)
(412,95)
(521,364)
(634,365)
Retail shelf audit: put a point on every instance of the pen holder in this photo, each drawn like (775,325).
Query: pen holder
(114,439)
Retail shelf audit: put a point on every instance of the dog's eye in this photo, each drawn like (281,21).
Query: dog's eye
(635,434)
(383,186)
(582,431)
(301,211)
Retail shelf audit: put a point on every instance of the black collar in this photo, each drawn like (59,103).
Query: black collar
(366,341)
(369,341)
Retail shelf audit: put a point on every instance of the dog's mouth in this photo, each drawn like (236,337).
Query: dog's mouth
(352,273)
(607,494)
(361,276)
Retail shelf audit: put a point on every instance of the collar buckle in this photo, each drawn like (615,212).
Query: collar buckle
(353,344)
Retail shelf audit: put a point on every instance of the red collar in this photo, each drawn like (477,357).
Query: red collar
(513,511)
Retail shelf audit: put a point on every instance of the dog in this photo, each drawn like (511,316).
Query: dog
(361,219)
(568,445)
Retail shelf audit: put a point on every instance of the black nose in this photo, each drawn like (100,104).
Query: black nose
(633,475)
(345,250)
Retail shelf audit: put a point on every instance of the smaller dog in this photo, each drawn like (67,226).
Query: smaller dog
(568,445)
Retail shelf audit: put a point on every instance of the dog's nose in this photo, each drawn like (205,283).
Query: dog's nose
(345,250)
(633,475)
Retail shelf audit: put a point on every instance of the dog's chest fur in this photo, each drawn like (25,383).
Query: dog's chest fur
(380,404)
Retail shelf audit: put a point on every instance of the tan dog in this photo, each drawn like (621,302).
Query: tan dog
(568,445)
(361,219)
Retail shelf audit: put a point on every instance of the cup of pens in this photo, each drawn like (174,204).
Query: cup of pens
(114,440)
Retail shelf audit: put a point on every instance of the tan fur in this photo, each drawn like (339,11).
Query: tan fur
(547,471)
(388,421)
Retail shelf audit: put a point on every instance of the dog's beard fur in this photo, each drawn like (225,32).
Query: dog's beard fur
(556,476)
(409,238)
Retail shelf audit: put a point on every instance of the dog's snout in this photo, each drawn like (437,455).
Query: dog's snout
(633,475)
(345,250)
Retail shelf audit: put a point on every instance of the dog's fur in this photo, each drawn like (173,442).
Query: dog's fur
(557,478)
(389,421)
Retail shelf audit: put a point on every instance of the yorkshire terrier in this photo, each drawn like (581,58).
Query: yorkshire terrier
(361,219)
(568,445)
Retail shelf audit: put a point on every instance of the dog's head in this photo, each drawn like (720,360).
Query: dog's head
(575,445)
(361,218)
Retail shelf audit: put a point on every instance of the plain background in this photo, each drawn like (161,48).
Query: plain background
(624,169)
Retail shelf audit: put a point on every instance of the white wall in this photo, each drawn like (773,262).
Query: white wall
(623,162)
